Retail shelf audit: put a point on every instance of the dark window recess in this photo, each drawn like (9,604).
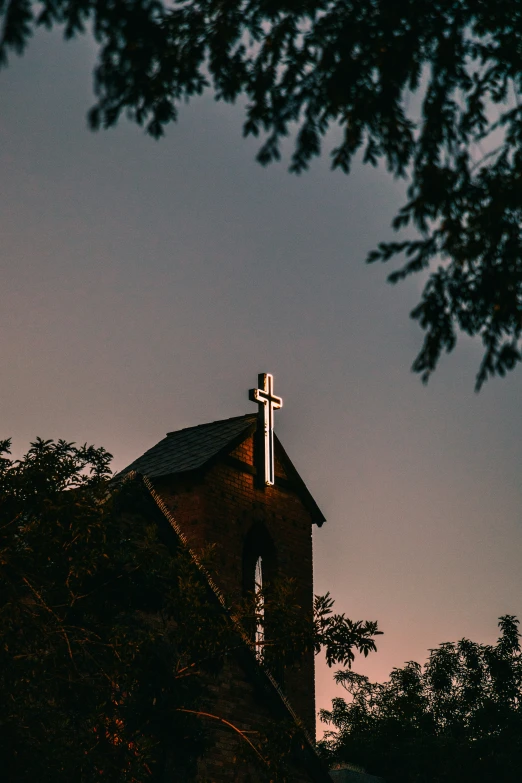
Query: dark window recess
(259,545)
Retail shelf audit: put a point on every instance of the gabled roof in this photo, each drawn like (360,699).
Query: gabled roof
(194,448)
(190,448)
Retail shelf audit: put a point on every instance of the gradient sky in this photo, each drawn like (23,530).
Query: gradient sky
(143,285)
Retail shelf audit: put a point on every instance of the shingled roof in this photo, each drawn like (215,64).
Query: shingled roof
(196,447)
(190,448)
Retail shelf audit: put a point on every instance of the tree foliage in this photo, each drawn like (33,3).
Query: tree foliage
(93,665)
(457,720)
(305,66)
(109,634)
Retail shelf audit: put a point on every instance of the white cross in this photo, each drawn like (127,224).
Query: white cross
(268,403)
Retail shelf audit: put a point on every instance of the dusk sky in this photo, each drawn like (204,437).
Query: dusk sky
(145,284)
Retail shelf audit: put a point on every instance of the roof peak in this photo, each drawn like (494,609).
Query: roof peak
(196,448)
(245,416)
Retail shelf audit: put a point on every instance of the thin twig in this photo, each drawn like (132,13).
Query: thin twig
(3,527)
(485,157)
(242,734)
(47,608)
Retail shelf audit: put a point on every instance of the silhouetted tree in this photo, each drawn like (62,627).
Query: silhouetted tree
(306,66)
(457,720)
(108,636)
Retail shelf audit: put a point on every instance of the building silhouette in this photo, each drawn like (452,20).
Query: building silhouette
(214,484)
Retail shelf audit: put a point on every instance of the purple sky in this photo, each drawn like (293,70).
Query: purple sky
(145,284)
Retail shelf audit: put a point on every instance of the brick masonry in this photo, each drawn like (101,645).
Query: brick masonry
(219,507)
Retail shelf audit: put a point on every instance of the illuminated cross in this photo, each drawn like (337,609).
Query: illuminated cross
(268,403)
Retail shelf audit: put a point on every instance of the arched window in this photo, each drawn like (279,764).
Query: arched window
(260,607)
(259,568)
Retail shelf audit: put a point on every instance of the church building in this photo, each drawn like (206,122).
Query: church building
(231,484)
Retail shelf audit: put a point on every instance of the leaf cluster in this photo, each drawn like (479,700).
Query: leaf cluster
(291,632)
(305,66)
(102,628)
(110,635)
(339,636)
(457,719)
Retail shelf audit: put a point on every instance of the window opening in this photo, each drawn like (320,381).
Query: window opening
(260,608)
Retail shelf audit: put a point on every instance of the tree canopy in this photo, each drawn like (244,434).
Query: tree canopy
(109,635)
(456,720)
(307,66)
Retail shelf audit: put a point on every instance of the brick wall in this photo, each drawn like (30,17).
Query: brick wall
(219,507)
(234,698)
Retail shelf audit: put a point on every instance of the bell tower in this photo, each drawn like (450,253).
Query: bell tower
(231,484)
